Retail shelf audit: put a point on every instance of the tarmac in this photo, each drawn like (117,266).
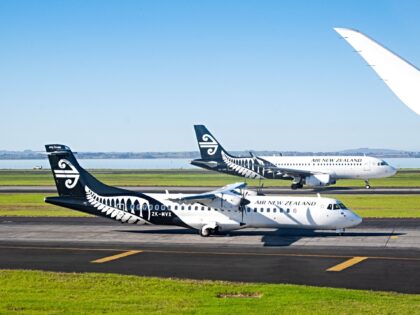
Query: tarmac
(380,254)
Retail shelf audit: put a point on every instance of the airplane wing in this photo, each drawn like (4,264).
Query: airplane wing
(399,75)
(227,193)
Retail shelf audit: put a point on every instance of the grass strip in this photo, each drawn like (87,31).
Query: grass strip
(37,292)
(409,178)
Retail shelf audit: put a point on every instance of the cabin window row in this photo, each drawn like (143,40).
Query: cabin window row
(320,164)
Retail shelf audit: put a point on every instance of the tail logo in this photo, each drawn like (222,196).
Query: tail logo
(209,143)
(71,175)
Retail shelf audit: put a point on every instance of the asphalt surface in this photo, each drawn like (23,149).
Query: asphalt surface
(378,255)
(266,190)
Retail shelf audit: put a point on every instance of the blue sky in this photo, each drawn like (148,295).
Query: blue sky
(136,75)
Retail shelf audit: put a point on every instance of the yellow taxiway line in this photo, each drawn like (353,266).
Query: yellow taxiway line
(115,257)
(192,252)
(348,263)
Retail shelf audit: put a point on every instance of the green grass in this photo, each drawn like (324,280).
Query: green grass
(383,206)
(36,292)
(32,205)
(368,206)
(406,178)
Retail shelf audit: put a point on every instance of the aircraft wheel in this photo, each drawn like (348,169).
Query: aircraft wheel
(294,186)
(300,185)
(205,232)
(367,186)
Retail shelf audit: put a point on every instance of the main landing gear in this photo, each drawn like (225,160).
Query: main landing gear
(296,186)
(206,231)
(367,184)
(340,232)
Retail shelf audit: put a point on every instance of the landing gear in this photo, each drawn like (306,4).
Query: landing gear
(367,184)
(340,232)
(296,186)
(206,231)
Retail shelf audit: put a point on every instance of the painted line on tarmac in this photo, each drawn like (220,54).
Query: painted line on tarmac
(347,264)
(115,257)
(209,252)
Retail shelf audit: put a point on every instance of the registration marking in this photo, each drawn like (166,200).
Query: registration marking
(115,257)
(348,263)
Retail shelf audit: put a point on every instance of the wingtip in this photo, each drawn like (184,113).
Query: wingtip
(343,30)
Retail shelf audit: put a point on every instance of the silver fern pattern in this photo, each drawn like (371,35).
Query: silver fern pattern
(243,166)
(127,209)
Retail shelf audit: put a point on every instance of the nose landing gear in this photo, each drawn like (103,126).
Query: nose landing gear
(367,186)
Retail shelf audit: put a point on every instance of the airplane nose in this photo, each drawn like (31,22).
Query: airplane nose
(392,170)
(356,220)
(353,219)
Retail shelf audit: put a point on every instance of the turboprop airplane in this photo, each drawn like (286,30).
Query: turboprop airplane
(314,171)
(226,209)
(399,75)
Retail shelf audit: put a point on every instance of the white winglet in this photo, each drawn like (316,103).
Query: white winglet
(402,77)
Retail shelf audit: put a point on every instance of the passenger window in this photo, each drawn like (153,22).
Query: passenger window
(274,210)
(288,210)
(189,207)
(262,209)
(182,207)
(176,207)
(196,208)
(156,207)
(202,208)
(169,207)
(268,209)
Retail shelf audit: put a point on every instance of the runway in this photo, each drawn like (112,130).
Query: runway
(266,190)
(378,255)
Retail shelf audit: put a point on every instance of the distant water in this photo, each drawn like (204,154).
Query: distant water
(154,163)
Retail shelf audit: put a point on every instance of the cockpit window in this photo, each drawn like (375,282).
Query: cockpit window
(336,206)
(382,163)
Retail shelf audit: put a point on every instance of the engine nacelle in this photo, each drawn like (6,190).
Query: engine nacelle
(319,180)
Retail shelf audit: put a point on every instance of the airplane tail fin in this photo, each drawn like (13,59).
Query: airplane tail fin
(70,178)
(210,148)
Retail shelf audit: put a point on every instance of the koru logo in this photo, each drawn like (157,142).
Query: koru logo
(71,175)
(210,143)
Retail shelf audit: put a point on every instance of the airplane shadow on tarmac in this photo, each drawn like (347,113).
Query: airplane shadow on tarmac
(279,237)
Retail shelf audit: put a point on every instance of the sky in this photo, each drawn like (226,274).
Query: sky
(262,75)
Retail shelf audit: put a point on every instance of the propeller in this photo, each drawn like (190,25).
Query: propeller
(243,203)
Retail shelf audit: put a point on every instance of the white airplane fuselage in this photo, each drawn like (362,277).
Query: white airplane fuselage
(338,167)
(261,212)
